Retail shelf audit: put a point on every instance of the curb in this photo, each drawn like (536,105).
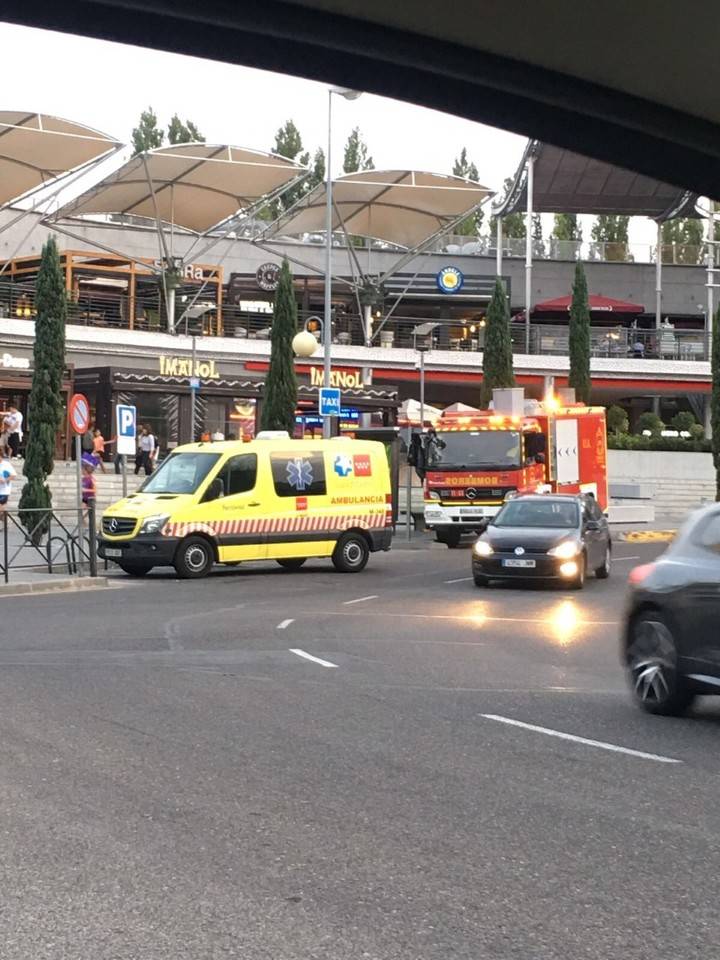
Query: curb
(66,584)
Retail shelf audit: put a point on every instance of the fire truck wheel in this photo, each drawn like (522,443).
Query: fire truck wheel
(451,538)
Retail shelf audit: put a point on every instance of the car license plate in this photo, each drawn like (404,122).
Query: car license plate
(518,563)
(111,552)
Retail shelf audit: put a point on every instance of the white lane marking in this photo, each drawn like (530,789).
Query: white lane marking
(309,656)
(614,748)
(619,559)
(284,624)
(373,596)
(475,619)
(459,580)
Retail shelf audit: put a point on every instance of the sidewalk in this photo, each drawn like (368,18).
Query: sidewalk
(28,581)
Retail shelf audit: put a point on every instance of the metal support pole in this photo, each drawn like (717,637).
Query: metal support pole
(78,477)
(498,246)
(6,571)
(192,391)
(710,228)
(422,389)
(123,464)
(658,277)
(92,537)
(171,309)
(327,322)
(528,249)
(408,490)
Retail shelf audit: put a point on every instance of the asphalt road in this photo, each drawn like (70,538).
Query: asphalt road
(176,782)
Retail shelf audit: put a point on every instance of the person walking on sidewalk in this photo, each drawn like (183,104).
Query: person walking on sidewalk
(7,475)
(12,426)
(89,485)
(98,451)
(146,450)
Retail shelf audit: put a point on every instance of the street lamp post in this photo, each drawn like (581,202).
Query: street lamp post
(327,325)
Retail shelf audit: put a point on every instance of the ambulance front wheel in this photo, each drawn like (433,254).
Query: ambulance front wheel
(351,553)
(194,558)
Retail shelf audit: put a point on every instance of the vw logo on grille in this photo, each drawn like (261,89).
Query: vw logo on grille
(471,493)
(113,525)
(519,551)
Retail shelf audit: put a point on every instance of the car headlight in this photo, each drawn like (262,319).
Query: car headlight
(433,495)
(483,549)
(565,550)
(154,524)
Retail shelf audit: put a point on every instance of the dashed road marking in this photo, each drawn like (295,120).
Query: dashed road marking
(620,559)
(284,624)
(309,656)
(601,744)
(373,596)
(476,619)
(459,580)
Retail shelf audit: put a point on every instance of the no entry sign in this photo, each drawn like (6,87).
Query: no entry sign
(79,413)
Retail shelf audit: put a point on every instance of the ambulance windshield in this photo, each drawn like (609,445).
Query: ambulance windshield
(180,473)
(486,449)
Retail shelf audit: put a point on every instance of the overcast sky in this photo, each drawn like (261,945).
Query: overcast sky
(107,85)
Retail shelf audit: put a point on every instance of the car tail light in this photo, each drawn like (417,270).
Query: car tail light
(639,574)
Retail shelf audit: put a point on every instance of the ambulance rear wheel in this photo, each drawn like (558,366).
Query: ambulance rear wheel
(193,559)
(292,563)
(351,553)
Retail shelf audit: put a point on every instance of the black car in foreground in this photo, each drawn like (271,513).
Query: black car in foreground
(671,639)
(544,537)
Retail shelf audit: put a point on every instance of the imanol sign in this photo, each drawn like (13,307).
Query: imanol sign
(344,379)
(183,367)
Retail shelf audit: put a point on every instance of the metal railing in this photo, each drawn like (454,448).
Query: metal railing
(49,540)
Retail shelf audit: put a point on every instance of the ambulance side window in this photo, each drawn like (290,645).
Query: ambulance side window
(239,474)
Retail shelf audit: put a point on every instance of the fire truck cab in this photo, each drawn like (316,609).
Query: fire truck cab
(474,460)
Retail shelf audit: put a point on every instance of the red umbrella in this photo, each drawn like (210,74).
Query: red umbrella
(595,303)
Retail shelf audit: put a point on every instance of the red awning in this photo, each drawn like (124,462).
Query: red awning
(596,304)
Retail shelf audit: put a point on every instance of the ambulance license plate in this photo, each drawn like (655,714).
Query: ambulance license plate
(518,563)
(112,552)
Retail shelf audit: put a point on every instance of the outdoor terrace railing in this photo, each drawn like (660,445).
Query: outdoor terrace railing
(48,540)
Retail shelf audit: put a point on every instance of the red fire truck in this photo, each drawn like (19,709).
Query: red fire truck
(474,460)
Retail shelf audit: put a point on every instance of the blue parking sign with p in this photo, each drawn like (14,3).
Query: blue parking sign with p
(125,428)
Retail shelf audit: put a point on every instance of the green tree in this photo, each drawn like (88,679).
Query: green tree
(147,135)
(579,336)
(280,394)
(497,351)
(682,240)
(566,227)
(617,420)
(715,399)
(356,155)
(288,142)
(612,230)
(514,224)
(179,132)
(463,167)
(46,395)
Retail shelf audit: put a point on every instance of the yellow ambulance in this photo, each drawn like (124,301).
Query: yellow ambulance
(271,499)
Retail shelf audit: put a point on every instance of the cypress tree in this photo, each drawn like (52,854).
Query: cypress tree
(715,419)
(579,333)
(497,352)
(280,394)
(46,398)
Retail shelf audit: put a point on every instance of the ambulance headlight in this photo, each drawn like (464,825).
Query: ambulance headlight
(154,524)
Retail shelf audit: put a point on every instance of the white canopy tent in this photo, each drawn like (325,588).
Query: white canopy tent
(408,209)
(199,188)
(40,156)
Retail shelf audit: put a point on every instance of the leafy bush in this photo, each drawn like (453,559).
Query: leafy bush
(697,431)
(683,421)
(650,421)
(629,441)
(617,420)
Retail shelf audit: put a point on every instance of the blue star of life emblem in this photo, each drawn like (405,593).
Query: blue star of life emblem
(299,473)
(343,465)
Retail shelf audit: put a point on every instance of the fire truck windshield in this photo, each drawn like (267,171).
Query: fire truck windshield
(486,449)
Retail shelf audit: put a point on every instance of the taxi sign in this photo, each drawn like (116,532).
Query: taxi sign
(330,402)
(79,413)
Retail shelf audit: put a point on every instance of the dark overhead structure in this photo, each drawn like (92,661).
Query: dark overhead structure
(634,84)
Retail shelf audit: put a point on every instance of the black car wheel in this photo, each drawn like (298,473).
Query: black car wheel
(351,553)
(135,569)
(652,660)
(603,571)
(292,563)
(194,558)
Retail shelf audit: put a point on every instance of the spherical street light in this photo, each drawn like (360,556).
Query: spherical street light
(304,344)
